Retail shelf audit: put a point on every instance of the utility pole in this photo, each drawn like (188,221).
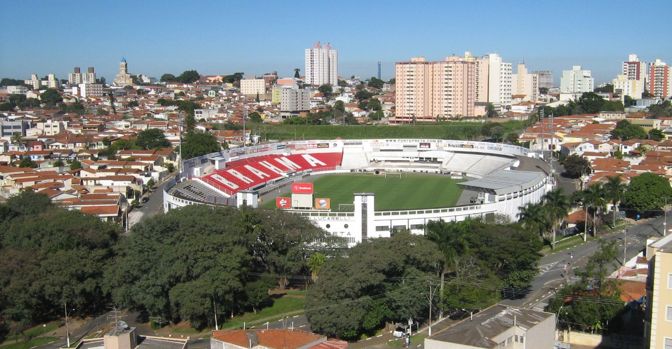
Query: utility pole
(244,117)
(625,245)
(67,330)
(214,306)
(430,297)
(665,219)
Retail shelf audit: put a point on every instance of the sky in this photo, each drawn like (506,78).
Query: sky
(222,37)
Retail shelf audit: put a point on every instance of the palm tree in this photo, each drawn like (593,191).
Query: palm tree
(595,199)
(581,198)
(557,207)
(614,189)
(534,217)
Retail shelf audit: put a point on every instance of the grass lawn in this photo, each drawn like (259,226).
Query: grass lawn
(289,304)
(19,340)
(29,344)
(418,338)
(392,193)
(444,130)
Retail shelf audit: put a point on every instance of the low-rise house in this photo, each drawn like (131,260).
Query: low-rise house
(498,326)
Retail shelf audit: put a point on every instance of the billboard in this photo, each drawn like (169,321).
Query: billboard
(283,202)
(302,188)
(322,203)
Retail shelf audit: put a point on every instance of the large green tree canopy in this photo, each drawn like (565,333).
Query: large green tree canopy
(152,138)
(50,256)
(647,193)
(379,280)
(176,265)
(199,143)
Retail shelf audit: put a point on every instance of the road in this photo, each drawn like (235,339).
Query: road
(552,266)
(150,208)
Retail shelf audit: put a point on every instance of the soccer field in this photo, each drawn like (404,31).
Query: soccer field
(411,191)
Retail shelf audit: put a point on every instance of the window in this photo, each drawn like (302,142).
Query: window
(668,343)
(668,313)
(669,280)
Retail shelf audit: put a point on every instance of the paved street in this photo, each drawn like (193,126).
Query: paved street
(152,207)
(551,267)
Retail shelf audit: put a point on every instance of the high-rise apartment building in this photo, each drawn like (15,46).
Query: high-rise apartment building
(75,78)
(123,78)
(525,84)
(575,82)
(545,78)
(321,65)
(91,90)
(90,76)
(493,81)
(52,82)
(628,87)
(658,319)
(660,79)
(426,90)
(634,69)
(34,82)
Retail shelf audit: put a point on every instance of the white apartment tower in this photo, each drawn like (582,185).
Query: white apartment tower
(634,69)
(90,76)
(575,82)
(499,82)
(75,78)
(321,65)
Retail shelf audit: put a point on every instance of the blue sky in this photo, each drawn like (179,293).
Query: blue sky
(260,36)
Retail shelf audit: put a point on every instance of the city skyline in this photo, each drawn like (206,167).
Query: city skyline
(220,38)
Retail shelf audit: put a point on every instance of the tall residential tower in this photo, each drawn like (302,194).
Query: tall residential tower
(321,65)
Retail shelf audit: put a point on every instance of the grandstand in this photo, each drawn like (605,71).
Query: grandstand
(494,183)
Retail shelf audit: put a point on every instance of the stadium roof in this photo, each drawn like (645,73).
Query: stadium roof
(504,182)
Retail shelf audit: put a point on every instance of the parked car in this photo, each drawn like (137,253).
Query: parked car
(399,331)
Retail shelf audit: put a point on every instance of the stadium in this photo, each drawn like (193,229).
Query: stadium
(359,189)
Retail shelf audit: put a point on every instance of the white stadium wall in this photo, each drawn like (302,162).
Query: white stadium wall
(488,163)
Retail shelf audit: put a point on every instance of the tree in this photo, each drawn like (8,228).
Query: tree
(493,131)
(656,135)
(490,111)
(132,104)
(376,83)
(150,184)
(614,190)
(607,88)
(647,193)
(152,138)
(629,101)
(188,77)
(534,218)
(170,167)
(326,90)
(625,130)
(297,73)
(11,82)
(168,78)
(315,263)
(557,206)
(363,94)
(661,109)
(164,267)
(50,255)
(58,163)
(590,102)
(199,143)
(376,115)
(255,117)
(75,165)
(595,198)
(374,105)
(380,280)
(51,97)
(576,166)
(26,161)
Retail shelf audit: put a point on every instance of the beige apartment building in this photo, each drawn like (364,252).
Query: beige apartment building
(427,91)
(658,321)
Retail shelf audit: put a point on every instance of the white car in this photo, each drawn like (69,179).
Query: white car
(399,332)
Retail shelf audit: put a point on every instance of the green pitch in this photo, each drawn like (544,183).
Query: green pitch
(411,191)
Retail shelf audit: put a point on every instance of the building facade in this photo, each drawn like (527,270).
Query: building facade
(427,91)
(52,82)
(294,100)
(499,82)
(253,87)
(75,78)
(321,65)
(634,69)
(660,79)
(91,90)
(624,86)
(658,320)
(123,78)
(575,82)
(90,76)
(545,78)
(525,84)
